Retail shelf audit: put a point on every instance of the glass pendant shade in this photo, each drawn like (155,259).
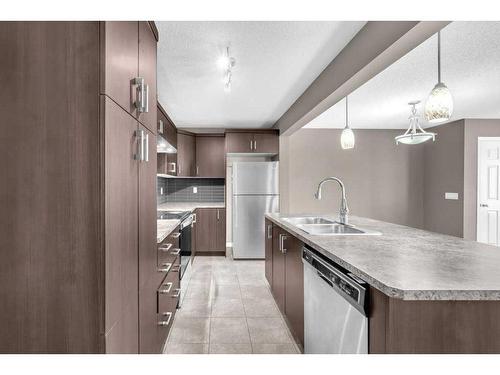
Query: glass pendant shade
(439,105)
(347,137)
(415,134)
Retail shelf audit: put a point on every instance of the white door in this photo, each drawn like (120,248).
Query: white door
(488,191)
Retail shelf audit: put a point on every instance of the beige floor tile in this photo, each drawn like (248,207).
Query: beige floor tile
(199,291)
(225,279)
(227,308)
(255,291)
(274,349)
(252,279)
(190,331)
(226,291)
(174,348)
(261,307)
(195,308)
(268,331)
(229,331)
(230,349)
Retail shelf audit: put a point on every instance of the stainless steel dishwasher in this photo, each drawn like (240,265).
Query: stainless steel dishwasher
(335,308)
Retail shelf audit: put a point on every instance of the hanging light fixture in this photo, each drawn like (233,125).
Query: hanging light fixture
(347,138)
(415,134)
(439,105)
(226,63)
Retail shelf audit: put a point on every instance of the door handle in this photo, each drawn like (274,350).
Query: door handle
(146,149)
(139,134)
(269,231)
(483,205)
(142,92)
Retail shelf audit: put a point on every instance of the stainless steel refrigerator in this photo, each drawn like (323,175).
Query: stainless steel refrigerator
(255,193)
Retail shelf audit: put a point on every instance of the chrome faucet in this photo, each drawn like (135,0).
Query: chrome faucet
(344,210)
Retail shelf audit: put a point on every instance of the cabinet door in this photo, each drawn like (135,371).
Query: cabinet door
(210,156)
(185,154)
(147,70)
(121,228)
(239,142)
(278,285)
(221,230)
(147,209)
(266,143)
(294,287)
(149,330)
(206,229)
(120,62)
(269,251)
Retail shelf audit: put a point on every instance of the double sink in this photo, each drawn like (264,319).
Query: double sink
(317,225)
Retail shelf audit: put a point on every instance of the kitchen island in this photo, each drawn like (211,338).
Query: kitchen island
(429,293)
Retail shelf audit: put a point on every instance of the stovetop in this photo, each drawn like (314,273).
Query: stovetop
(173,215)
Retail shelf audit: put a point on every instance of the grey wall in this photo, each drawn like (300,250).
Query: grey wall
(181,190)
(444,172)
(473,130)
(383,181)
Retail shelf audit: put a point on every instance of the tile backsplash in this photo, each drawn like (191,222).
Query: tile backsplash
(181,190)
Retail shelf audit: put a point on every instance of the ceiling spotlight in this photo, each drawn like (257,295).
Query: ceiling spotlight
(439,105)
(226,62)
(415,134)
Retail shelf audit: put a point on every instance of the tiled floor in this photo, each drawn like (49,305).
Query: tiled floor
(228,309)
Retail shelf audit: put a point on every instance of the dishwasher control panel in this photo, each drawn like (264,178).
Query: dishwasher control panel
(350,288)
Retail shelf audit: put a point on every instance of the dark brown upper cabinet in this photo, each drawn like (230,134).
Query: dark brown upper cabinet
(129,50)
(186,154)
(167,163)
(210,156)
(263,142)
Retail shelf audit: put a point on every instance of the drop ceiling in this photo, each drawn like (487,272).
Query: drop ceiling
(470,55)
(275,63)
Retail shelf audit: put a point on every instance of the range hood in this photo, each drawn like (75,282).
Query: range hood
(163,146)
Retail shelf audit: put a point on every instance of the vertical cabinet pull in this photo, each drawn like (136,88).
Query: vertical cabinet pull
(217,214)
(165,323)
(194,218)
(197,170)
(255,145)
(160,127)
(142,92)
(282,243)
(269,231)
(139,134)
(251,145)
(146,149)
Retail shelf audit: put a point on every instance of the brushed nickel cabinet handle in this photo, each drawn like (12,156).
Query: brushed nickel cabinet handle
(175,252)
(194,218)
(146,149)
(251,145)
(167,289)
(218,214)
(255,145)
(139,134)
(176,235)
(171,169)
(197,170)
(483,205)
(160,127)
(166,247)
(165,323)
(165,267)
(283,237)
(176,269)
(177,294)
(269,231)
(142,92)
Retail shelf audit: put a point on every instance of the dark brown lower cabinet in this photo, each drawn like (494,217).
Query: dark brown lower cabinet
(210,231)
(284,267)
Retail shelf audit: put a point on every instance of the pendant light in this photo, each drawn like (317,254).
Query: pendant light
(347,138)
(439,105)
(415,134)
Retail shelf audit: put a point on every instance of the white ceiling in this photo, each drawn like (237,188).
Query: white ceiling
(275,63)
(470,67)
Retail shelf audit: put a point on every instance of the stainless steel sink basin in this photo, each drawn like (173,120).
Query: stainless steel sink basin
(308,220)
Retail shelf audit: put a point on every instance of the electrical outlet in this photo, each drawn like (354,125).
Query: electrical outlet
(195,190)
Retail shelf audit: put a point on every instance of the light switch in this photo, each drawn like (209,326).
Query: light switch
(195,190)
(453,196)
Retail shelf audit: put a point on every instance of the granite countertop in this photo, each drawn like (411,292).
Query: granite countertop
(165,227)
(409,263)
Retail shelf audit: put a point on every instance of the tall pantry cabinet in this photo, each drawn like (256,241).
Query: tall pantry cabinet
(78,186)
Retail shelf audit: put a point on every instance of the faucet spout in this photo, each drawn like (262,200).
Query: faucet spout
(344,210)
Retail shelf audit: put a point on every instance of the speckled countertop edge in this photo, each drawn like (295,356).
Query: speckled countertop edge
(385,287)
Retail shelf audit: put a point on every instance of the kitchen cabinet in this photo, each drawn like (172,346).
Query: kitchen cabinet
(186,149)
(210,231)
(167,163)
(283,267)
(92,197)
(210,156)
(268,253)
(129,55)
(264,142)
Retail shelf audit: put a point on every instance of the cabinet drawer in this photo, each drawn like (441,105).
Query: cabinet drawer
(168,299)
(168,249)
